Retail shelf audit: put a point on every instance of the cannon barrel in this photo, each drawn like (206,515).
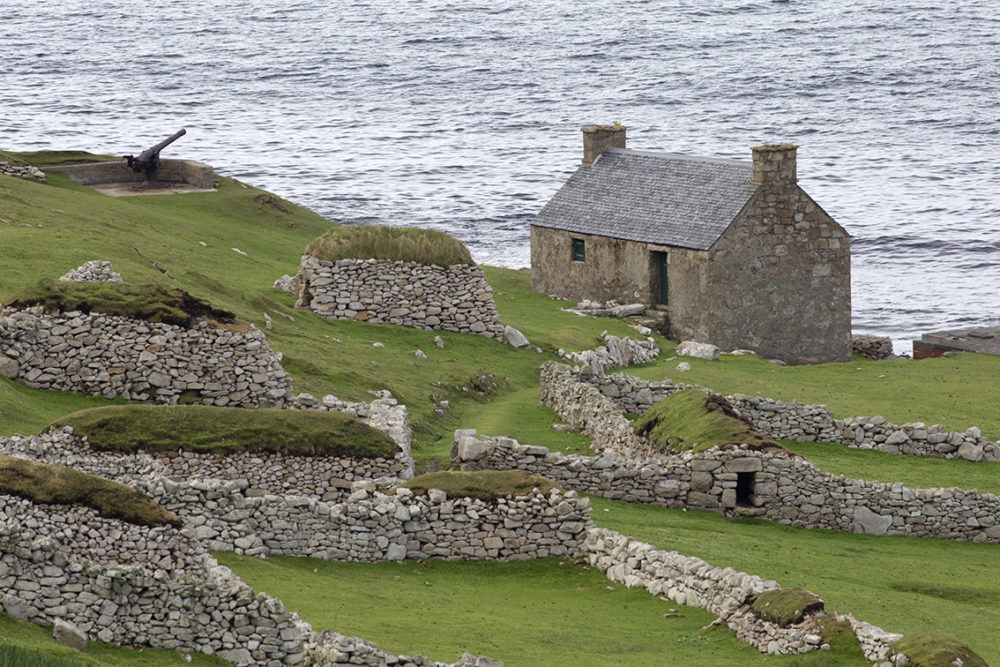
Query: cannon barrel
(155,150)
(149,160)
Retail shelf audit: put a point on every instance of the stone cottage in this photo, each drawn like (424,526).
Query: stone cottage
(734,253)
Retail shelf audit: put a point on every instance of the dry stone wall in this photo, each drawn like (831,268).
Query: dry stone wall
(139,586)
(136,586)
(401,293)
(791,421)
(319,477)
(776,487)
(113,356)
(724,591)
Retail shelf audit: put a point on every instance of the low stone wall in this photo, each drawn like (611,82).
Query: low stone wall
(371,527)
(790,421)
(735,480)
(235,514)
(114,356)
(401,293)
(724,591)
(59,562)
(69,564)
(192,172)
(318,477)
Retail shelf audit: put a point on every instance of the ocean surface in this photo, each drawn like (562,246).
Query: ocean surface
(465,116)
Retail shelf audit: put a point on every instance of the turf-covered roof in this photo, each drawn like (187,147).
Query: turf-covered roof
(661,198)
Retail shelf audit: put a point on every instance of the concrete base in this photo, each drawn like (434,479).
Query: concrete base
(132,189)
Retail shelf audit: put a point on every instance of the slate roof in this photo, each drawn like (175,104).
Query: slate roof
(661,198)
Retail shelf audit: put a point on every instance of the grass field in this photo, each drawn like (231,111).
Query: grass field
(187,242)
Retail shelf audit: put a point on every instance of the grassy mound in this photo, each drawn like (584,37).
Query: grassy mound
(694,420)
(209,429)
(931,649)
(153,303)
(54,484)
(55,158)
(484,484)
(426,246)
(785,607)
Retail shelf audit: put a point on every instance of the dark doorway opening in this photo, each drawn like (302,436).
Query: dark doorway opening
(744,488)
(660,278)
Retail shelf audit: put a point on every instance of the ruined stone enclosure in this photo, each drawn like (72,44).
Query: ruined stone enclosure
(735,252)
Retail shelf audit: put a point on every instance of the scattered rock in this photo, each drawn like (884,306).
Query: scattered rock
(690,348)
(287,283)
(94,270)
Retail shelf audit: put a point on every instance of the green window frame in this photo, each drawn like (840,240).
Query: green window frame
(579,251)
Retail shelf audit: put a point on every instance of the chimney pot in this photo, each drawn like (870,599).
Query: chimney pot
(599,138)
(774,165)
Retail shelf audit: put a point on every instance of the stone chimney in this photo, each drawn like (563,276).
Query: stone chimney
(599,138)
(774,166)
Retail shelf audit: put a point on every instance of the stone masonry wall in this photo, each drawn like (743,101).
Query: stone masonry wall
(724,591)
(401,293)
(141,361)
(794,420)
(785,489)
(69,564)
(60,562)
(319,477)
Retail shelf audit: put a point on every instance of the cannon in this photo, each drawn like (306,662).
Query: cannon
(148,161)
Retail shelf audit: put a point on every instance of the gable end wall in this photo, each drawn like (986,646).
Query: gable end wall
(778,282)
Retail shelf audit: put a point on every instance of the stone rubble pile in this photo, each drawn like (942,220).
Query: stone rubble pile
(616,352)
(873,347)
(401,293)
(111,356)
(607,309)
(28,172)
(94,270)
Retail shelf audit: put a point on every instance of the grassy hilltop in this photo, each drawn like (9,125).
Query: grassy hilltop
(187,242)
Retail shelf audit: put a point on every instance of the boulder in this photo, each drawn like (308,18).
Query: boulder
(515,338)
(870,523)
(8,367)
(690,348)
(66,633)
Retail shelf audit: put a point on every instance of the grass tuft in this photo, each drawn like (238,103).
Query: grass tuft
(932,649)
(408,244)
(215,430)
(46,483)
(152,303)
(484,485)
(692,420)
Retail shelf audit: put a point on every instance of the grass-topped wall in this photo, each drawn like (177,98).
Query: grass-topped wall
(214,430)
(54,484)
(152,303)
(695,420)
(483,484)
(408,244)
